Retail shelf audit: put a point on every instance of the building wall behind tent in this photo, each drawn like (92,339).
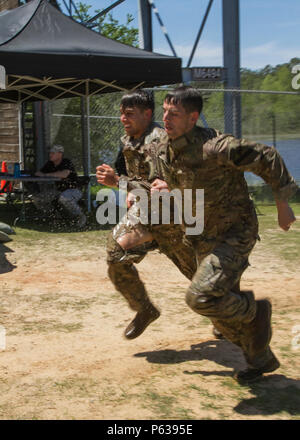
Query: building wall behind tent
(8,4)
(9,127)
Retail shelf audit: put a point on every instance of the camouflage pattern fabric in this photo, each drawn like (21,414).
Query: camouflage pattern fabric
(168,239)
(137,153)
(206,159)
(124,275)
(221,262)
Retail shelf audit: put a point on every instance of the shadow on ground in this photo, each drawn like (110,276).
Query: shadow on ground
(5,265)
(220,351)
(273,393)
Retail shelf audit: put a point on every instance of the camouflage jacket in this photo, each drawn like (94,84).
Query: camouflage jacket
(206,159)
(139,154)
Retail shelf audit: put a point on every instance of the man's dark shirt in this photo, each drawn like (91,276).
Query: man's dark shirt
(66,164)
(120,164)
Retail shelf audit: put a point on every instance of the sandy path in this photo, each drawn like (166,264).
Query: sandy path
(66,358)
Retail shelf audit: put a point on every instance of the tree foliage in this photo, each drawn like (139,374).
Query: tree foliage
(260,110)
(108,26)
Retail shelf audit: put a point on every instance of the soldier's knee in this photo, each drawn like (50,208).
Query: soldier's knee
(201,300)
(117,255)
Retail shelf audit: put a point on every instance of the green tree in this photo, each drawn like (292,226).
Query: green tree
(108,26)
(259,110)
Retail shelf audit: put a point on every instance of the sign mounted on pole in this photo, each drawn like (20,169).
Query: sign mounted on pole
(211,74)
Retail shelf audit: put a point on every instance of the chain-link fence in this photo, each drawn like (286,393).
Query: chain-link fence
(272,118)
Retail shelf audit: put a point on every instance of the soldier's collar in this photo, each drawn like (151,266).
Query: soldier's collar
(130,140)
(139,141)
(184,140)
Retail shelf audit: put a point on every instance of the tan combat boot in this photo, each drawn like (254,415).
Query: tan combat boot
(255,343)
(142,319)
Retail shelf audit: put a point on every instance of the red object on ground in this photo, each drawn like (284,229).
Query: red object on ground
(3,187)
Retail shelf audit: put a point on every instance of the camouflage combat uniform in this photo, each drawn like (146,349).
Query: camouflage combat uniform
(169,239)
(206,159)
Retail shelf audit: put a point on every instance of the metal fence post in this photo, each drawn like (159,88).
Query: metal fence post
(86,147)
(231,54)
(145,25)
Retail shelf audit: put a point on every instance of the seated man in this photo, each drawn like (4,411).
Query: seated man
(65,191)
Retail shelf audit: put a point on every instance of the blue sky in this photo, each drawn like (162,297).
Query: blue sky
(269,29)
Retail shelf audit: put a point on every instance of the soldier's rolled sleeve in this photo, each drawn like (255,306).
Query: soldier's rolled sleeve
(260,159)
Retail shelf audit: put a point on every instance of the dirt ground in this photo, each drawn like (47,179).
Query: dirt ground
(66,357)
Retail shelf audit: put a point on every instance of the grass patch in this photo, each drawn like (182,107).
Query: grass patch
(77,305)
(31,237)
(49,327)
(33,231)
(285,245)
(77,387)
(160,404)
(202,392)
(164,406)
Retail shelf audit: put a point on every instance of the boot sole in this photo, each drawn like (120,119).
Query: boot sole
(253,374)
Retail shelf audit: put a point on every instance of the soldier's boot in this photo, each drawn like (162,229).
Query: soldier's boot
(142,319)
(126,280)
(254,339)
(255,343)
(271,363)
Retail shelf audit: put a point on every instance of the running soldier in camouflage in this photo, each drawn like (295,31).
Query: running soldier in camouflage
(129,242)
(199,158)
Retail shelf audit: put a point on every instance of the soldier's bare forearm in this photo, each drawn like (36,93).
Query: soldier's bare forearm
(286,215)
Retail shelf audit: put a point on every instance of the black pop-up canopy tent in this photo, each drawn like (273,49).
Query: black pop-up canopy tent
(47,55)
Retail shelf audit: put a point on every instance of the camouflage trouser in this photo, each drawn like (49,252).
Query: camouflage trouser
(169,239)
(221,262)
(214,291)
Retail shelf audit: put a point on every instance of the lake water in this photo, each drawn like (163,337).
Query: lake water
(289,150)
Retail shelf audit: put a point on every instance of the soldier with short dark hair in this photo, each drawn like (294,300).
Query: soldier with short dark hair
(203,158)
(129,243)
